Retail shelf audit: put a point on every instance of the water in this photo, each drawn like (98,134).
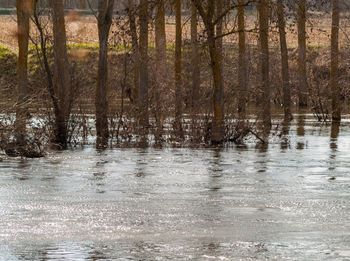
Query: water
(289,200)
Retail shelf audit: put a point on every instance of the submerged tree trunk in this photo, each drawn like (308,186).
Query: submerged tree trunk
(134,93)
(143,84)
(104,21)
(160,38)
(178,70)
(217,130)
(24,9)
(336,110)
(301,22)
(195,59)
(284,61)
(264,58)
(62,83)
(242,71)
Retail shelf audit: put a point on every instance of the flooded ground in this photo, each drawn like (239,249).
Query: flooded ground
(289,200)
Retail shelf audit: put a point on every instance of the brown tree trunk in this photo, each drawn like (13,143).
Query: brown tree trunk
(284,61)
(134,97)
(104,21)
(195,59)
(160,38)
(143,84)
(264,58)
(301,24)
(336,107)
(62,83)
(178,69)
(242,72)
(24,9)
(217,130)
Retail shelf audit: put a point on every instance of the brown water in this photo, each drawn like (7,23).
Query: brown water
(289,200)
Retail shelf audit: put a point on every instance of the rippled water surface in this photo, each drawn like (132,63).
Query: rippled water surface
(288,200)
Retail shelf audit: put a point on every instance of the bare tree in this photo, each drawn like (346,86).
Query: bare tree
(336,107)
(178,69)
(104,22)
(242,71)
(195,59)
(284,60)
(301,24)
(143,84)
(264,59)
(62,82)
(24,9)
(207,14)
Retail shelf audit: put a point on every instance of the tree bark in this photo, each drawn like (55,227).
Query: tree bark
(242,71)
(143,84)
(135,50)
(24,9)
(178,69)
(104,21)
(195,59)
(336,107)
(264,58)
(160,38)
(301,24)
(284,61)
(62,83)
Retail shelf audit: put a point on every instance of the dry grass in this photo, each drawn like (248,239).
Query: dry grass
(83,29)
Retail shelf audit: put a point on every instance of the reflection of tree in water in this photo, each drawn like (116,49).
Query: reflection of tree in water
(301,131)
(285,142)
(333,144)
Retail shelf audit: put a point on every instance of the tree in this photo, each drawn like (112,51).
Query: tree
(301,24)
(24,9)
(161,63)
(242,71)
(135,50)
(264,59)
(62,83)
(195,59)
(178,69)
(207,14)
(143,83)
(104,22)
(336,110)
(284,60)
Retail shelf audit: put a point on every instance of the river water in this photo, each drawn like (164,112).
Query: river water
(289,200)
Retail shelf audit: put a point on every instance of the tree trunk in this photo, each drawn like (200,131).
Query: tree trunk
(242,71)
(264,58)
(336,110)
(284,61)
(62,83)
(143,84)
(160,38)
(134,94)
(303,85)
(195,59)
(24,8)
(178,70)
(104,21)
